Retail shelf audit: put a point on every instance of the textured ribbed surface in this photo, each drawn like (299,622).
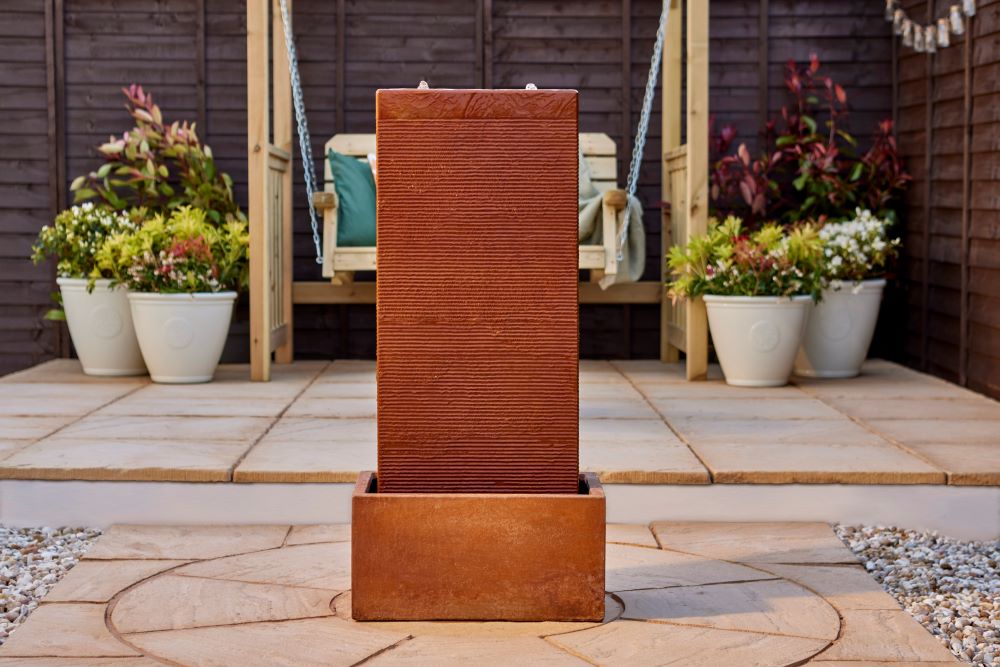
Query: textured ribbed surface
(477,293)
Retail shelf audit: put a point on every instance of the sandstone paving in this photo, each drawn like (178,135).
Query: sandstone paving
(770,607)
(326,429)
(67,371)
(631,568)
(628,643)
(325,566)
(164,603)
(642,463)
(79,662)
(350,408)
(616,408)
(903,408)
(100,580)
(66,630)
(763,542)
(100,425)
(770,431)
(966,464)
(865,632)
(433,651)
(846,587)
(630,533)
(46,399)
(277,460)
(184,542)
(815,463)
(31,428)
(152,401)
(312,534)
(940,431)
(744,408)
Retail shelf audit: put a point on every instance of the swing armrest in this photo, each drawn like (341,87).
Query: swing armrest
(325,200)
(613,201)
(616,199)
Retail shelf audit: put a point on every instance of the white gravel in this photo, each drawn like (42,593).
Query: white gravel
(31,561)
(951,587)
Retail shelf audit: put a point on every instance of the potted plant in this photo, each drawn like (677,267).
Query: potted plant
(757,288)
(182,272)
(96,312)
(841,326)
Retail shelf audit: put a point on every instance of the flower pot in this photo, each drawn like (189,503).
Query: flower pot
(756,337)
(100,324)
(840,330)
(182,335)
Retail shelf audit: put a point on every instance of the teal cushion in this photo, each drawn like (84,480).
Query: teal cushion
(355,186)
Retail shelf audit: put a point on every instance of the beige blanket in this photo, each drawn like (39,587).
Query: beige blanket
(633,261)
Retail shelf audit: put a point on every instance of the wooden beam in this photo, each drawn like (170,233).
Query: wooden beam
(258,138)
(626,87)
(964,329)
(925,304)
(200,68)
(341,84)
(480,72)
(673,57)
(763,56)
(697,174)
(323,292)
(487,43)
(55,88)
(281,94)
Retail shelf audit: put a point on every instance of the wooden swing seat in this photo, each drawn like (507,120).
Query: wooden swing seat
(340,263)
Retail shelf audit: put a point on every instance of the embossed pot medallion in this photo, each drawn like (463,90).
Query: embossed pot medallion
(478,510)
(757,337)
(100,325)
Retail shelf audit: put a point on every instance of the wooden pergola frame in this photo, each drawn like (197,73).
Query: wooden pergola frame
(684,327)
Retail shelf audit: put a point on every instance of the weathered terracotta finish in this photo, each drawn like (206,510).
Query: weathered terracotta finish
(515,557)
(477,291)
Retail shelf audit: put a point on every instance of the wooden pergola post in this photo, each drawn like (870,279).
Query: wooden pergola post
(269,145)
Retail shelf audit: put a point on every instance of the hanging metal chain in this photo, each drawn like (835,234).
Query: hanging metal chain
(305,144)
(640,139)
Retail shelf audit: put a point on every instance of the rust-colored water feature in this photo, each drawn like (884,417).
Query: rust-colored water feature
(478,510)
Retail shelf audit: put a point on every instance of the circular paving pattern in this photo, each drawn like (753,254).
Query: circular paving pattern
(291,606)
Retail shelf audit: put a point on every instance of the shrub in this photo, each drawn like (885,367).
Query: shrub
(182,252)
(75,238)
(857,249)
(727,261)
(158,166)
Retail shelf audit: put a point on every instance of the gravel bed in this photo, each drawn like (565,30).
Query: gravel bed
(31,561)
(952,587)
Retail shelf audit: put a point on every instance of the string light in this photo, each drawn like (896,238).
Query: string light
(928,38)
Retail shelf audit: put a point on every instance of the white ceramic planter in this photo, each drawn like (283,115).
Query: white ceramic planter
(840,330)
(756,337)
(182,335)
(100,324)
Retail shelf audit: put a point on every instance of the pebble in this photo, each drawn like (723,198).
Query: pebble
(951,587)
(32,560)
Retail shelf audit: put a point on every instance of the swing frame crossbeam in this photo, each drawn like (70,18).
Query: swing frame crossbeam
(270,136)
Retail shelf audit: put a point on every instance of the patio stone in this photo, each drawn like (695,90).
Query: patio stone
(43,399)
(162,400)
(106,426)
(67,371)
(339,390)
(353,408)
(940,431)
(633,568)
(626,431)
(134,459)
(815,463)
(642,463)
(8,447)
(909,408)
(769,431)
(973,464)
(312,429)
(654,371)
(628,643)
(865,632)
(617,408)
(326,566)
(164,603)
(744,408)
(66,630)
(183,542)
(846,587)
(774,607)
(336,532)
(319,642)
(715,389)
(882,382)
(631,533)
(79,662)
(348,370)
(763,542)
(99,581)
(435,651)
(30,428)
(603,390)
(276,460)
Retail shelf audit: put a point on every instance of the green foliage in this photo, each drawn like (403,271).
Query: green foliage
(858,249)
(727,261)
(158,166)
(75,238)
(182,253)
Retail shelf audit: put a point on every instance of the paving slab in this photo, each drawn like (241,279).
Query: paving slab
(869,462)
(67,371)
(628,643)
(335,532)
(244,430)
(631,533)
(164,603)
(634,568)
(865,633)
(79,662)
(617,408)
(435,651)
(323,429)
(302,461)
(775,607)
(807,432)
(343,408)
(45,399)
(972,464)
(939,431)
(846,587)
(642,463)
(137,459)
(184,542)
(763,542)
(101,580)
(710,409)
(909,408)
(66,630)
(31,428)
(326,566)
(161,400)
